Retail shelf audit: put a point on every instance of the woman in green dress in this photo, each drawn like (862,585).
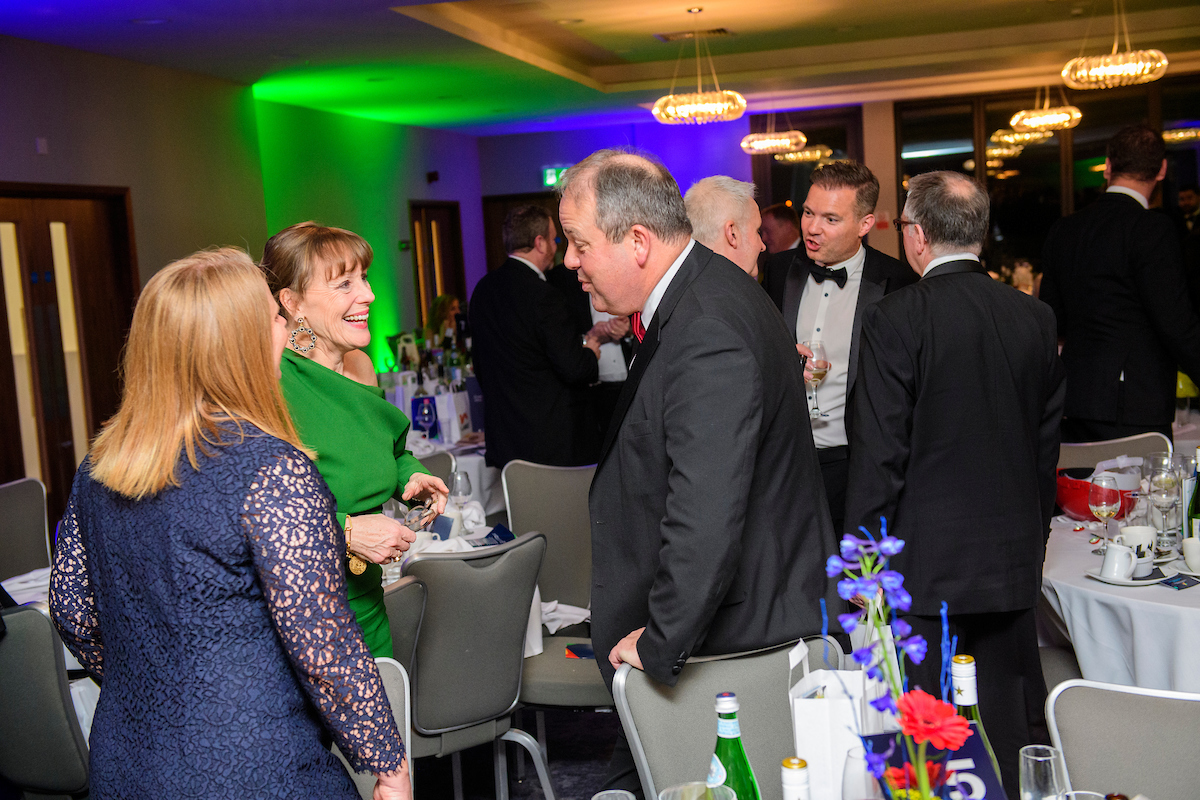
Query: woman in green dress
(319,277)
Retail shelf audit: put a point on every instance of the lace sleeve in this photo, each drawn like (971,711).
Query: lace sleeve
(297,549)
(72,601)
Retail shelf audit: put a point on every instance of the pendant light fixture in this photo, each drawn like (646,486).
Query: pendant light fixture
(1115,69)
(1044,118)
(698,107)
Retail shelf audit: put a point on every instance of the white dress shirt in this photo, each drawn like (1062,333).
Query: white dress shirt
(1135,195)
(529,264)
(660,288)
(827,313)
(937,262)
(612,360)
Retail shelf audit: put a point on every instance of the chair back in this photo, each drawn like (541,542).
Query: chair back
(1126,739)
(395,683)
(671,730)
(1089,454)
(404,601)
(554,502)
(24,534)
(42,748)
(467,667)
(440,464)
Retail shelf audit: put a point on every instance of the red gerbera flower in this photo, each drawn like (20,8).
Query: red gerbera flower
(907,778)
(927,719)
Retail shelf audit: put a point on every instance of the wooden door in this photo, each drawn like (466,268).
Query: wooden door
(437,253)
(69,285)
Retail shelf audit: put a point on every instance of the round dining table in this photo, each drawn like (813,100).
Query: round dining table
(1147,635)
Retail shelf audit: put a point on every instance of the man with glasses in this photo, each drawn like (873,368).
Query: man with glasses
(822,288)
(954,442)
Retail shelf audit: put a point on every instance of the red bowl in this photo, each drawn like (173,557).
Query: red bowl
(1072,496)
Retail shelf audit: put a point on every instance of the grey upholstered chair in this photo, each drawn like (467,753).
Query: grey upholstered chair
(671,730)
(1126,739)
(466,674)
(395,683)
(42,748)
(404,601)
(440,464)
(24,535)
(1089,454)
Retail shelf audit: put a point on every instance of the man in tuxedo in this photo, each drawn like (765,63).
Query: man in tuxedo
(780,228)
(955,443)
(709,527)
(822,288)
(1113,274)
(725,219)
(532,363)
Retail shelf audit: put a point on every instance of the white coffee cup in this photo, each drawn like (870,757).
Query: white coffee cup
(1119,562)
(1140,538)
(1191,553)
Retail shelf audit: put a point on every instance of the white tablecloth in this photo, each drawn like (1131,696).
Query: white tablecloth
(486,487)
(1146,636)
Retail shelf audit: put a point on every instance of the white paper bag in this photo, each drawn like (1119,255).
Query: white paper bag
(826,728)
(454,416)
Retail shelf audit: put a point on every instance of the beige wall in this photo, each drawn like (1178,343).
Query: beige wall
(879,154)
(185,145)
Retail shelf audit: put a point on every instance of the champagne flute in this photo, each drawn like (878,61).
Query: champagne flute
(1043,773)
(857,781)
(819,367)
(460,488)
(1164,494)
(1104,499)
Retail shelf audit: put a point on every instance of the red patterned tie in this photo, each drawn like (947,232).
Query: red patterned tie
(638,330)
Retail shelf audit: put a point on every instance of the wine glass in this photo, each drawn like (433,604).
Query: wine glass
(819,367)
(1164,494)
(857,782)
(1043,773)
(460,488)
(1104,499)
(425,417)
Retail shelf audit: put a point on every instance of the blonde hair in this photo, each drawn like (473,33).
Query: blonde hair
(199,354)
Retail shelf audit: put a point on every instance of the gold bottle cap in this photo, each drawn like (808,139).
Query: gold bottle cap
(795,763)
(963,659)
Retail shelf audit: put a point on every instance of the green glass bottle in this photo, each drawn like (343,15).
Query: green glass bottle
(729,763)
(966,700)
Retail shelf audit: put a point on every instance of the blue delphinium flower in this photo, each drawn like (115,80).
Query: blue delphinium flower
(890,546)
(899,599)
(849,621)
(847,588)
(864,655)
(877,762)
(884,703)
(901,628)
(890,580)
(914,647)
(835,566)
(853,548)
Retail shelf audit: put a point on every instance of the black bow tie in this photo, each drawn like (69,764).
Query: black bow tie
(820,273)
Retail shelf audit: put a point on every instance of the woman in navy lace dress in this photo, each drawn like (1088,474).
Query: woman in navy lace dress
(198,571)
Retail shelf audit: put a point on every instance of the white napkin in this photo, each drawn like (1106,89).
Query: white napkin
(473,516)
(29,588)
(1063,519)
(557,615)
(419,445)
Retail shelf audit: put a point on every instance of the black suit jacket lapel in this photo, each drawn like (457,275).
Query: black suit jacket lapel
(872,287)
(688,270)
(793,291)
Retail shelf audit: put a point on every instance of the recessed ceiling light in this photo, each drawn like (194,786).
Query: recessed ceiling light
(149,21)
(568,21)
(695,10)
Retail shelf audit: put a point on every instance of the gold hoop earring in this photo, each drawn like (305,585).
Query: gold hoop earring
(301,330)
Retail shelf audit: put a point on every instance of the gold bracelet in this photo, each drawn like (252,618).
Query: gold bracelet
(357,565)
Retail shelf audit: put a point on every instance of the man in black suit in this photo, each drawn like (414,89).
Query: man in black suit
(725,219)
(955,443)
(1113,274)
(533,365)
(780,227)
(822,288)
(709,527)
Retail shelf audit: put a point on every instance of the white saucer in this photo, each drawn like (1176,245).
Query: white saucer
(1166,558)
(1182,569)
(1094,573)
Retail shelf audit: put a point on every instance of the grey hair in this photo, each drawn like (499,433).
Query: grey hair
(630,188)
(715,200)
(951,208)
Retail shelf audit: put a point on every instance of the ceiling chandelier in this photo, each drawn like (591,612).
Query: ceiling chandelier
(1003,150)
(773,141)
(1045,118)
(1115,69)
(1178,135)
(698,107)
(815,153)
(1022,138)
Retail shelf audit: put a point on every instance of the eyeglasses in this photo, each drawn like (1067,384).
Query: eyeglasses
(899,224)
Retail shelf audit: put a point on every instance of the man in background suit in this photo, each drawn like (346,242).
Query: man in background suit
(725,219)
(709,527)
(955,443)
(1113,274)
(533,365)
(822,288)
(780,228)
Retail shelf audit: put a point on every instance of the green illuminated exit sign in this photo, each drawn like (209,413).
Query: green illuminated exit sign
(552,175)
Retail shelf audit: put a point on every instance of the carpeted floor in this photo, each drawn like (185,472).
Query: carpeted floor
(579,745)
